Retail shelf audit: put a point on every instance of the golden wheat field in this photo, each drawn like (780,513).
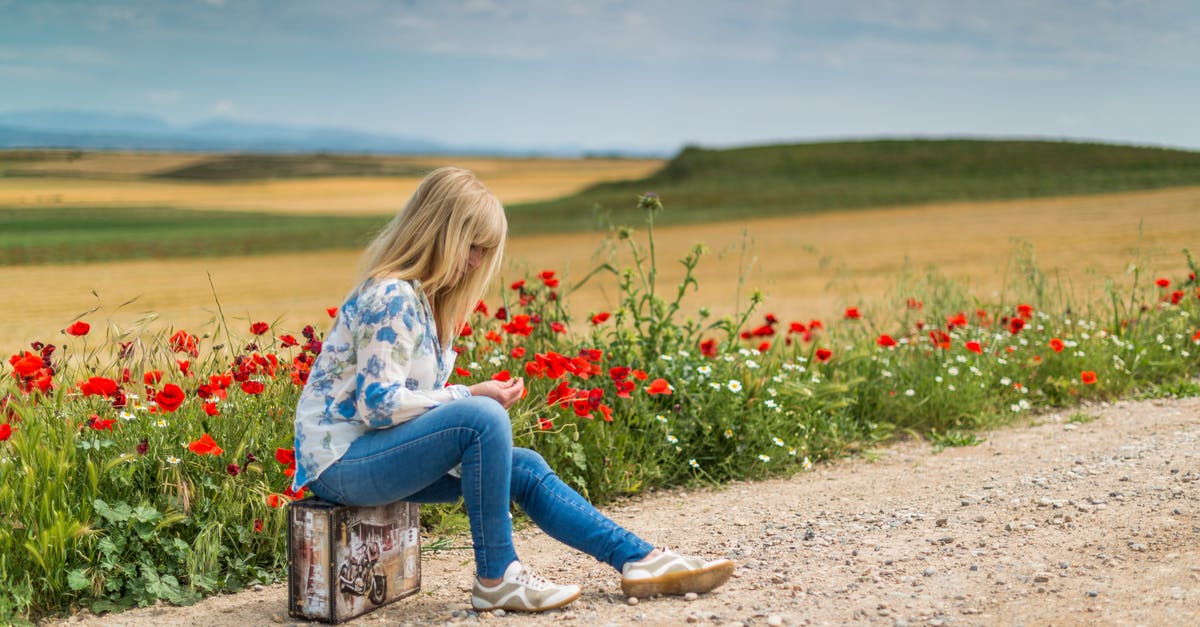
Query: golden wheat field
(807,266)
(113,179)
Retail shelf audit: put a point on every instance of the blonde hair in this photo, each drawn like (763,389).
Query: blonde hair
(430,240)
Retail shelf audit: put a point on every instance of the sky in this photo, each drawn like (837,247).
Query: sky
(638,75)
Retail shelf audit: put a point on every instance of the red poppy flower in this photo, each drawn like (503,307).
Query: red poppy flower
(252,387)
(764,347)
(98,386)
(815,324)
(100,424)
(259,328)
(519,325)
(1163,282)
(518,284)
(258,525)
(957,320)
(974,347)
(639,375)
(332,311)
(287,341)
(763,331)
(606,411)
(659,386)
(1196,337)
(185,367)
(205,446)
(274,501)
(233,470)
(624,388)
(1088,377)
(797,327)
(503,375)
(285,456)
(467,331)
(852,313)
(170,398)
(462,372)
(823,355)
(600,318)
(481,308)
(1015,325)
(26,366)
(885,341)
(6,431)
(558,327)
(494,337)
(143,446)
(517,352)
(561,395)
(183,342)
(502,313)
(1025,311)
(1056,344)
(152,377)
(913,303)
(1176,297)
(708,348)
(211,409)
(545,424)
(78,328)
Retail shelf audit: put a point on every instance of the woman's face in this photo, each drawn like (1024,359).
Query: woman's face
(474,257)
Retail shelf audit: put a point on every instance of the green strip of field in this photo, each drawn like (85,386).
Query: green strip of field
(702,185)
(81,235)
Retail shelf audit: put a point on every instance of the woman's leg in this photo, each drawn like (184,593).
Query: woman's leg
(411,461)
(567,517)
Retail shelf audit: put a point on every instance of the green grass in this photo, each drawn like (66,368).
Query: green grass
(88,234)
(709,185)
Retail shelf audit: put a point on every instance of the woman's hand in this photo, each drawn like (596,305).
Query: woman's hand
(507,393)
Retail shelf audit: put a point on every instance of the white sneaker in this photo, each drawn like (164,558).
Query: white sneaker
(522,591)
(672,573)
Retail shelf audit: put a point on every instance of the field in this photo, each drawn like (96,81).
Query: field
(148,451)
(808,265)
(376,188)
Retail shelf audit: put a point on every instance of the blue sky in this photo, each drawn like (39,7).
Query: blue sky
(613,73)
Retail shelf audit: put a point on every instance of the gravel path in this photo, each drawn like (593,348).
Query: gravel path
(1048,522)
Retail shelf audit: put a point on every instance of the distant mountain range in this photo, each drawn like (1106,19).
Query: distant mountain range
(99,130)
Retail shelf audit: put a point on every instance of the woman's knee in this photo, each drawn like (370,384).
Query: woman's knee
(487,415)
(531,462)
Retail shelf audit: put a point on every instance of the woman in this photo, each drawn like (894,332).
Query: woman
(377,423)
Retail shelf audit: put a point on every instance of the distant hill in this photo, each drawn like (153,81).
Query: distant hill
(701,185)
(92,130)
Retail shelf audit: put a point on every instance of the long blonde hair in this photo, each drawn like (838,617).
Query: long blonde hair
(430,240)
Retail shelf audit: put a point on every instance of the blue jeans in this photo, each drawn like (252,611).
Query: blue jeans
(411,461)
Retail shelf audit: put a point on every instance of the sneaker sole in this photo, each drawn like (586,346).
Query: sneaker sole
(698,581)
(509,608)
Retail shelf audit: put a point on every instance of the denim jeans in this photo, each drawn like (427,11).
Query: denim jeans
(412,461)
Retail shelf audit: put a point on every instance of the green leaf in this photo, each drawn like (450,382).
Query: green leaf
(78,579)
(119,513)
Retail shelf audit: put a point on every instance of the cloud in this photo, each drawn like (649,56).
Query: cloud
(163,96)
(223,107)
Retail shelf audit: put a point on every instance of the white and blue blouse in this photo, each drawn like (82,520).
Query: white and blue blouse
(380,365)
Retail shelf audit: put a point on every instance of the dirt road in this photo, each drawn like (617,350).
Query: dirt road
(1054,522)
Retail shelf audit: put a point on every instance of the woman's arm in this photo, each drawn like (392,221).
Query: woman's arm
(396,377)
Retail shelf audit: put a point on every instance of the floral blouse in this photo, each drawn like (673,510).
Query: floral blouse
(380,365)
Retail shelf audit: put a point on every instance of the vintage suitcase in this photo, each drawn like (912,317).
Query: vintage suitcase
(345,561)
